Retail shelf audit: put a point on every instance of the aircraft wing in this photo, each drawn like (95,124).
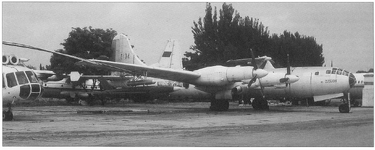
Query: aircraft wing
(163,73)
(44,74)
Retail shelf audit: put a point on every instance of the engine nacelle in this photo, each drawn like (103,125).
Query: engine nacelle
(220,75)
(5,59)
(13,60)
(239,90)
(273,79)
(186,85)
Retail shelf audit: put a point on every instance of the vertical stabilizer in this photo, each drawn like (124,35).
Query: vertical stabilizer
(172,56)
(123,51)
(268,65)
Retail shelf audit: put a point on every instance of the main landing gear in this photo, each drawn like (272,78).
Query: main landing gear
(260,103)
(219,105)
(345,108)
(8,115)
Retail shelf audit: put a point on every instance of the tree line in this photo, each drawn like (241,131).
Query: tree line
(227,35)
(220,36)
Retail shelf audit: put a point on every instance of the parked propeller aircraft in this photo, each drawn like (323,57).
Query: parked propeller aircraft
(117,85)
(321,83)
(218,80)
(19,83)
(227,82)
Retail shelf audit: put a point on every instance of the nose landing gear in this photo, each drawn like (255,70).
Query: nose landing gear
(345,108)
(8,115)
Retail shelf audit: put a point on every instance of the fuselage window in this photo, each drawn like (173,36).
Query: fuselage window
(31,77)
(11,79)
(317,73)
(328,71)
(21,77)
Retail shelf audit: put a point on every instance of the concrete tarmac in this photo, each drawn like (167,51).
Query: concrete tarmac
(188,125)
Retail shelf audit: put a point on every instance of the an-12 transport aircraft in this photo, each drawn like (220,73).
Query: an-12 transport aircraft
(226,83)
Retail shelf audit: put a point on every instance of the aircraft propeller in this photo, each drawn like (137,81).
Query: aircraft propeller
(289,78)
(254,70)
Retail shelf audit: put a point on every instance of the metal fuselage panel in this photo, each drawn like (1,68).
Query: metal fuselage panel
(313,81)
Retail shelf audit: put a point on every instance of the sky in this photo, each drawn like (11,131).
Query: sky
(345,29)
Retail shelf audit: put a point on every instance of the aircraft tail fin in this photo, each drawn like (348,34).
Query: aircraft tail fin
(172,56)
(123,51)
(267,65)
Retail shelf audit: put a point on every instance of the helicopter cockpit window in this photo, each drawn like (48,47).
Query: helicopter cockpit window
(21,77)
(11,79)
(31,77)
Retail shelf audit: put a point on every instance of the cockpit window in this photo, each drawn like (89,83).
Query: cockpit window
(31,77)
(334,70)
(339,71)
(21,77)
(11,79)
(346,73)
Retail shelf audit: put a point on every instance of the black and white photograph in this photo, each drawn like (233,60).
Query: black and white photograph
(191,74)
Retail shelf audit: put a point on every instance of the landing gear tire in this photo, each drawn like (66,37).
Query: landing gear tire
(344,108)
(219,105)
(7,115)
(260,104)
(356,104)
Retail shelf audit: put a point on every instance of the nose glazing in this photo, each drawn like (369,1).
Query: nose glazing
(30,91)
(352,80)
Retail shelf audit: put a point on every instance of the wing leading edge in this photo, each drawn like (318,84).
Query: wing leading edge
(163,73)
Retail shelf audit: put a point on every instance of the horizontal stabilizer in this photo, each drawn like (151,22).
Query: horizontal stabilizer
(260,61)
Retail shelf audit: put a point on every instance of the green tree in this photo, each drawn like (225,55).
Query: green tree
(86,43)
(231,37)
(302,50)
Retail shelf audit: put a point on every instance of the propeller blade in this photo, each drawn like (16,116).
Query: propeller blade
(253,59)
(252,81)
(287,65)
(261,88)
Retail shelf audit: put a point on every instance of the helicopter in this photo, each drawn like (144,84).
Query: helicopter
(20,83)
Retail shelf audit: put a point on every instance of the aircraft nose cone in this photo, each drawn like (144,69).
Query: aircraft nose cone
(352,80)
(260,73)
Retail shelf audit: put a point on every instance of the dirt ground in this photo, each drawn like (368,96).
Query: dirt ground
(188,125)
